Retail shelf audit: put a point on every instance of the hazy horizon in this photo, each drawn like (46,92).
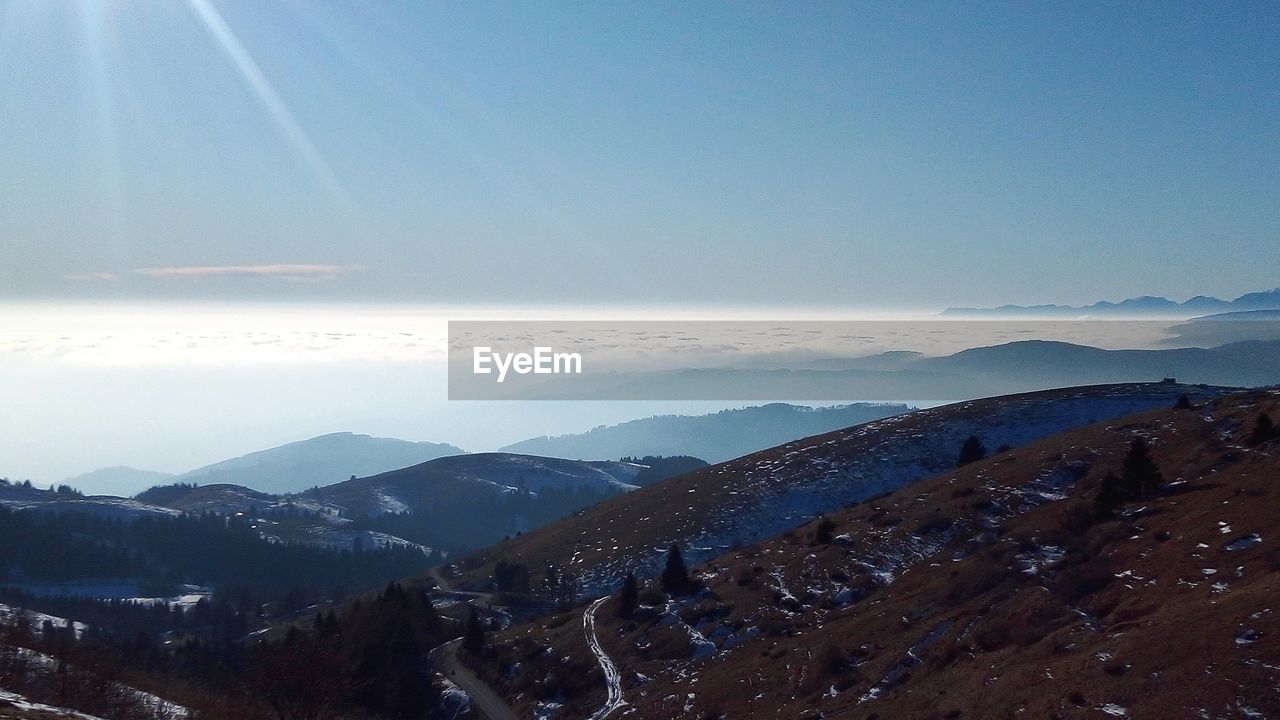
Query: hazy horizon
(172,386)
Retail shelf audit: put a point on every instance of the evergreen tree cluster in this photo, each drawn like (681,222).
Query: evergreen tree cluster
(369,660)
(40,547)
(660,467)
(1139,479)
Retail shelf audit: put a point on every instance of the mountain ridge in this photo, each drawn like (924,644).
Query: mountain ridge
(978,372)
(1146,304)
(714,437)
(317,461)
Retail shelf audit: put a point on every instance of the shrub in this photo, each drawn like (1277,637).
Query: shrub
(971,451)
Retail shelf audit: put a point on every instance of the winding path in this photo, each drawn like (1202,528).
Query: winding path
(483,698)
(612,678)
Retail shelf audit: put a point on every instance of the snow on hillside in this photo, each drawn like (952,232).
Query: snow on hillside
(993,590)
(22,704)
(120,589)
(533,473)
(776,491)
(9,615)
(156,707)
(18,497)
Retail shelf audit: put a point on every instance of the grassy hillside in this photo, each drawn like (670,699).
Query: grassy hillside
(760,495)
(1000,589)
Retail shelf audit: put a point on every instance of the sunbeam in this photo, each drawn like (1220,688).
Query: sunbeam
(102,142)
(271,102)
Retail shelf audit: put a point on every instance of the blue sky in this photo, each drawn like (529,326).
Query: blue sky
(842,154)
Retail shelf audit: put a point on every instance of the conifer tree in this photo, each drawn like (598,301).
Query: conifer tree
(1110,496)
(675,576)
(971,451)
(1140,474)
(629,597)
(473,639)
(1264,430)
(826,527)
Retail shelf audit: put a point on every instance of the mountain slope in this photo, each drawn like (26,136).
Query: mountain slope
(760,495)
(429,486)
(715,437)
(320,460)
(994,590)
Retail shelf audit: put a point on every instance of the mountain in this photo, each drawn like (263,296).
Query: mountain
(1005,588)
(716,437)
(1145,305)
(321,460)
(117,480)
(1034,362)
(752,498)
(1014,367)
(1229,327)
(429,486)
(454,503)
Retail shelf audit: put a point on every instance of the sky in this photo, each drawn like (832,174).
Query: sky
(815,154)
(197,195)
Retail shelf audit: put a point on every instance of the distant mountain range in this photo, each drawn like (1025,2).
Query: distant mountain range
(1145,305)
(716,437)
(977,372)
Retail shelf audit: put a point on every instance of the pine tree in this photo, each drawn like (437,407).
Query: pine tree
(473,639)
(971,451)
(629,597)
(1110,496)
(826,526)
(1141,477)
(675,576)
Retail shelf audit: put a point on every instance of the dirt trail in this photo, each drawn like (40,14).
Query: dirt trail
(612,678)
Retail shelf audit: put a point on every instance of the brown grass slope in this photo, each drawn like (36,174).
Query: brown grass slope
(760,495)
(992,591)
